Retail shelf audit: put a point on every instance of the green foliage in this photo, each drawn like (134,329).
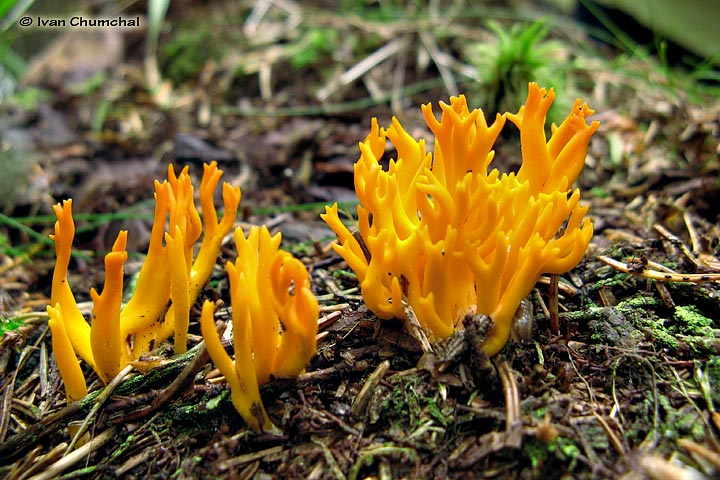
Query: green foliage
(539,454)
(186,53)
(402,405)
(406,407)
(10,324)
(318,42)
(344,274)
(684,422)
(712,375)
(383,11)
(28,98)
(697,80)
(12,65)
(214,402)
(157,10)
(443,417)
(5,6)
(599,192)
(90,85)
(517,55)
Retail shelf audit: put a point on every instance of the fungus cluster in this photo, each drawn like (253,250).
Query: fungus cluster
(446,235)
(274,311)
(440,233)
(168,283)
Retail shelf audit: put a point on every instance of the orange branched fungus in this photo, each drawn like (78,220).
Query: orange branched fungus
(449,236)
(274,318)
(168,284)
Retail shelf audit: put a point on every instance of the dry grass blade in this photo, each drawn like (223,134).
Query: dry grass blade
(675,241)
(617,444)
(657,468)
(9,390)
(243,459)
(69,460)
(703,452)
(553,308)
(433,50)
(17,445)
(33,463)
(361,68)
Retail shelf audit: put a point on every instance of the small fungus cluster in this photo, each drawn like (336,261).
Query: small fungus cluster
(274,310)
(168,283)
(445,235)
(274,321)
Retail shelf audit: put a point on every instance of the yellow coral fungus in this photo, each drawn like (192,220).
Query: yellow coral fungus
(75,386)
(154,277)
(274,318)
(105,329)
(168,284)
(61,297)
(451,237)
(183,214)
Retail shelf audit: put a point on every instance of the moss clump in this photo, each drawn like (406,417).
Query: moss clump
(660,333)
(691,322)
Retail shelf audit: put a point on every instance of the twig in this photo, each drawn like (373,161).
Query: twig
(325,321)
(332,309)
(104,395)
(248,457)
(9,391)
(326,373)
(694,237)
(363,397)
(32,464)
(563,287)
(553,307)
(188,373)
(415,329)
(660,276)
(674,240)
(512,395)
(330,460)
(17,445)
(614,440)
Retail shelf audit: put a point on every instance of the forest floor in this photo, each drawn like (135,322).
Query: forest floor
(625,386)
